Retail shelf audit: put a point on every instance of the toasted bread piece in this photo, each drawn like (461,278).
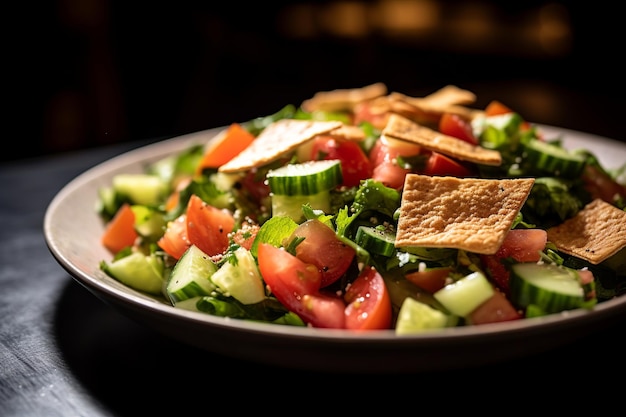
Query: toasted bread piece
(595,233)
(399,127)
(343,99)
(276,140)
(348,132)
(465,213)
(428,109)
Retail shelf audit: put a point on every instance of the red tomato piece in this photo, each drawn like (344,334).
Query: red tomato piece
(355,165)
(431,279)
(369,305)
(496,271)
(523,245)
(383,157)
(256,186)
(322,248)
(441,165)
(286,275)
(496,309)
(602,186)
(454,125)
(225,147)
(296,285)
(365,112)
(323,310)
(387,149)
(208,227)
(120,231)
(174,241)
(495,108)
(390,175)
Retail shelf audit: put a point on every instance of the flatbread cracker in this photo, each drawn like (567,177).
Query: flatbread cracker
(464,213)
(343,99)
(449,95)
(399,127)
(595,233)
(276,140)
(449,99)
(348,132)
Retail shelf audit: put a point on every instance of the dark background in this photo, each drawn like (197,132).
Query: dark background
(96,72)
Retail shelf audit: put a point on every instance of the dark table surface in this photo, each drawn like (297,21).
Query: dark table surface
(63,352)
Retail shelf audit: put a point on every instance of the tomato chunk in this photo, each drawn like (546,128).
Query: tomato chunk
(441,165)
(495,108)
(174,241)
(496,309)
(322,248)
(369,305)
(225,147)
(600,185)
(523,245)
(120,231)
(384,158)
(296,285)
(208,227)
(454,125)
(431,279)
(355,165)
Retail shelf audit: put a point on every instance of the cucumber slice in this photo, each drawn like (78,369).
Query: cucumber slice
(307,178)
(376,240)
(149,223)
(291,205)
(549,158)
(550,287)
(463,296)
(143,189)
(213,306)
(415,317)
(138,271)
(191,276)
(240,278)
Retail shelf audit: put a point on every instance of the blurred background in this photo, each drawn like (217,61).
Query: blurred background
(86,73)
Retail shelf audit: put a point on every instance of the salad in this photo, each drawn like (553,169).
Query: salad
(366,210)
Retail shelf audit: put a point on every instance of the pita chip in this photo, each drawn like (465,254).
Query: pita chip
(464,213)
(277,140)
(343,99)
(428,109)
(595,233)
(399,127)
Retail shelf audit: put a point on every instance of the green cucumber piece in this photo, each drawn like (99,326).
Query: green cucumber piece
(308,178)
(463,296)
(291,205)
(191,276)
(149,222)
(240,278)
(213,306)
(555,160)
(138,271)
(376,240)
(416,317)
(142,189)
(550,287)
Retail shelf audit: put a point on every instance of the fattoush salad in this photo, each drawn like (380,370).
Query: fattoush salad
(364,209)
